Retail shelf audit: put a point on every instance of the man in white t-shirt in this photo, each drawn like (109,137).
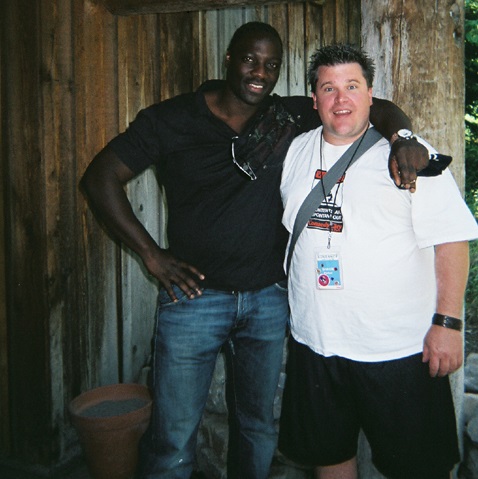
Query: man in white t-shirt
(376,286)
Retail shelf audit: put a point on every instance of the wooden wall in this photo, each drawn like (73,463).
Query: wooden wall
(76,310)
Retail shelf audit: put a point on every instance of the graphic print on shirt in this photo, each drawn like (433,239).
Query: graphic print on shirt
(328,216)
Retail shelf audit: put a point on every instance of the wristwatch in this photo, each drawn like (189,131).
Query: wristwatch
(403,134)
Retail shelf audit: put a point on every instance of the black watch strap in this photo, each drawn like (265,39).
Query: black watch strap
(447,322)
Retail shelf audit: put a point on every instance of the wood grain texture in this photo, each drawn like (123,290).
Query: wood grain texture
(129,7)
(96,106)
(139,86)
(419,51)
(4,368)
(25,252)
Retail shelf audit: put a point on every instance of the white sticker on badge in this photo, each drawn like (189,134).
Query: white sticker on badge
(328,271)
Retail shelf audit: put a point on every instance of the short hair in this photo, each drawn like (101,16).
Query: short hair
(337,54)
(256,29)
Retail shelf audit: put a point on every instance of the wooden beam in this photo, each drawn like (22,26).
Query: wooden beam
(130,7)
(410,68)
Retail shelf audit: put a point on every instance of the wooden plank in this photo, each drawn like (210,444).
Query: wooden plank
(128,7)
(341,21)
(29,392)
(138,66)
(278,18)
(329,33)
(138,73)
(139,291)
(175,39)
(297,63)
(214,67)
(354,22)
(198,49)
(313,33)
(96,89)
(4,377)
(61,220)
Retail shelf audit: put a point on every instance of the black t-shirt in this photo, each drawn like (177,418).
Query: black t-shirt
(219,220)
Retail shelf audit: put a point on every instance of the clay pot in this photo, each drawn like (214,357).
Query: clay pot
(110,420)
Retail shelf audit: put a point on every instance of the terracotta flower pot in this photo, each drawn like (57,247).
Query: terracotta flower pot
(110,420)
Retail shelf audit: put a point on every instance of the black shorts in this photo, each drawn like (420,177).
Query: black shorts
(407,416)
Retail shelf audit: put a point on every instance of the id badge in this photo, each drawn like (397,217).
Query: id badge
(328,271)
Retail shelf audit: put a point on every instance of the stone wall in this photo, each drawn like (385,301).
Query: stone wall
(469,466)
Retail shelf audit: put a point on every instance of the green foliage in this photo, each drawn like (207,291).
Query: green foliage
(471,93)
(471,101)
(471,296)
(471,163)
(471,303)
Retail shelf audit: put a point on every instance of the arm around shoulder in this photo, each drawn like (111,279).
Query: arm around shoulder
(388,118)
(407,158)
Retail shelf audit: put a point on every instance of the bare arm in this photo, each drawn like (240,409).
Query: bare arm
(443,347)
(388,118)
(406,157)
(103,183)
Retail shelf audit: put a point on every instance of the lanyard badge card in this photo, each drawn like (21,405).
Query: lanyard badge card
(328,266)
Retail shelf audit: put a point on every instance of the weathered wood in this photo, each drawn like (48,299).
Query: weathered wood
(418,48)
(27,307)
(313,33)
(61,226)
(4,395)
(129,7)
(96,86)
(177,70)
(277,15)
(297,62)
(139,71)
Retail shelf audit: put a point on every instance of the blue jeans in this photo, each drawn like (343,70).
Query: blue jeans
(189,336)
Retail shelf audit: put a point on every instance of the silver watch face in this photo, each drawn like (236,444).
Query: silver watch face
(404,133)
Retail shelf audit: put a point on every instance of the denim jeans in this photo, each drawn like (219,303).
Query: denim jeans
(188,338)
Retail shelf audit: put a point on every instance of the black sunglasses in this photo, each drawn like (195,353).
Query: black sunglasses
(245,167)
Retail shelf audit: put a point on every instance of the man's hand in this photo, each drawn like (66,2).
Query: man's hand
(168,270)
(103,184)
(407,158)
(443,350)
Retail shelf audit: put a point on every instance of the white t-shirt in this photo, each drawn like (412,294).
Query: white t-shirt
(384,238)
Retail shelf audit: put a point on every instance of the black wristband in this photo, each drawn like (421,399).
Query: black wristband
(447,322)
